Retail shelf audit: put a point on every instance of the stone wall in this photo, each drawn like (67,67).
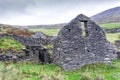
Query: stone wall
(38,54)
(25,40)
(117,43)
(33,50)
(115,30)
(72,50)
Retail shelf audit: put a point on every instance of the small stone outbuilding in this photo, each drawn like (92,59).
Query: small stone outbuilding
(37,53)
(34,50)
(81,42)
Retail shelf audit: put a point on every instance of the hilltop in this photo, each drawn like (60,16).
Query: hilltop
(107,16)
(14,29)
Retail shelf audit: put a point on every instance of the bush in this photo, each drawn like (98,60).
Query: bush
(19,32)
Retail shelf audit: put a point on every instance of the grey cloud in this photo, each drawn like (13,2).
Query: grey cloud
(13,5)
(20,5)
(43,10)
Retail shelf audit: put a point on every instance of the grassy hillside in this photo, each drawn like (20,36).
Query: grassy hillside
(108,16)
(32,71)
(8,43)
(110,25)
(113,37)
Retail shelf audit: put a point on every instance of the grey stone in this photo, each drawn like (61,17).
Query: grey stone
(39,35)
(11,55)
(72,50)
(37,54)
(118,55)
(114,30)
(34,49)
(25,40)
(52,39)
(117,43)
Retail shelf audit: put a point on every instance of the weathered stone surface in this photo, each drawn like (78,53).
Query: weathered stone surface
(37,54)
(11,55)
(73,50)
(25,40)
(53,39)
(118,55)
(34,50)
(39,35)
(117,43)
(114,30)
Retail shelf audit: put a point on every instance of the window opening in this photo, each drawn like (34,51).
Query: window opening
(84,26)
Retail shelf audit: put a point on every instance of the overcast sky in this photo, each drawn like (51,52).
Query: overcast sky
(34,12)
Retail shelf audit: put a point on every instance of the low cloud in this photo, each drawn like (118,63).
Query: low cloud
(33,12)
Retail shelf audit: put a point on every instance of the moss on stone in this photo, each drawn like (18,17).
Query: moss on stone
(10,44)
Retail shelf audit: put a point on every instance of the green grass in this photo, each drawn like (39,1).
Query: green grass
(9,43)
(112,37)
(32,71)
(110,25)
(50,32)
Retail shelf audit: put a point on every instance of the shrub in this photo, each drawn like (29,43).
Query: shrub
(19,32)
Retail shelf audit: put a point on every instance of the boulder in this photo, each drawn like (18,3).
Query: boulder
(39,35)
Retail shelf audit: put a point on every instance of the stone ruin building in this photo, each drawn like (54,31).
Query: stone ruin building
(34,50)
(37,53)
(81,42)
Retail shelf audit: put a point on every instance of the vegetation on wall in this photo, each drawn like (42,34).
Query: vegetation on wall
(9,43)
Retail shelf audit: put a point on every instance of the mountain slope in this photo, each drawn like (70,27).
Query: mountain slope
(45,26)
(107,16)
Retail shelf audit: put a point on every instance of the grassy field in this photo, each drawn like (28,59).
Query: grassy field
(50,32)
(31,71)
(110,25)
(9,43)
(112,37)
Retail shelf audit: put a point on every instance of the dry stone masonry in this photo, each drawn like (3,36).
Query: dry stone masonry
(37,53)
(114,30)
(25,40)
(34,50)
(81,42)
